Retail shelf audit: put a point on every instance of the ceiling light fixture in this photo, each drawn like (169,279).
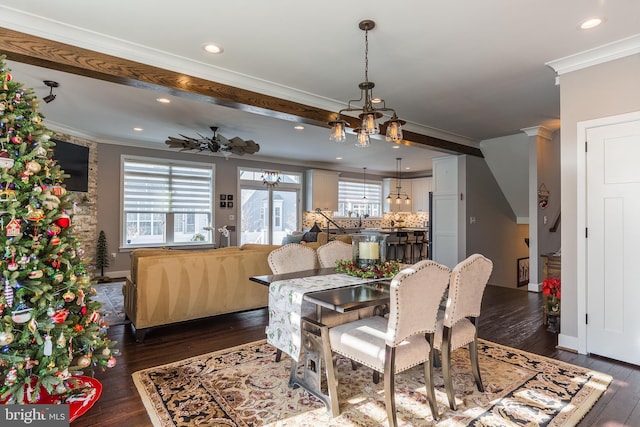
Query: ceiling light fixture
(369,113)
(51,85)
(163,100)
(591,23)
(212,48)
(399,195)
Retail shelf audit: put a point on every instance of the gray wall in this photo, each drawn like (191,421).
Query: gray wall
(108,200)
(599,91)
(495,233)
(549,175)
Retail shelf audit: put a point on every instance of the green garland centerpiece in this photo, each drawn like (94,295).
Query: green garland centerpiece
(375,271)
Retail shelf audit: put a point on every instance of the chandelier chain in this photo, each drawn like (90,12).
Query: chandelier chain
(366,55)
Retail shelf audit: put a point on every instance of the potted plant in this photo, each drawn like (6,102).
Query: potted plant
(551,288)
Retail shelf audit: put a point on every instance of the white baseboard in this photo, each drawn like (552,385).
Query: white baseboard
(534,287)
(117,274)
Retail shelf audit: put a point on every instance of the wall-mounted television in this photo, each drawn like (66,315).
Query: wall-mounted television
(74,161)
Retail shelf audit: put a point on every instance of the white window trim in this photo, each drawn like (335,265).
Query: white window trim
(159,160)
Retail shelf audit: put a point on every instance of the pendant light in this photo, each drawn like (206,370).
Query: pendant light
(399,195)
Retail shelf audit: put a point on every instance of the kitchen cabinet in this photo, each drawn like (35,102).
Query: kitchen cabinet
(420,188)
(322,190)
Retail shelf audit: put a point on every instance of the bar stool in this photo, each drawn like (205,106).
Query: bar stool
(419,241)
(398,241)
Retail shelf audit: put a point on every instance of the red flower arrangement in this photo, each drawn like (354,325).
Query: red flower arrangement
(377,271)
(551,287)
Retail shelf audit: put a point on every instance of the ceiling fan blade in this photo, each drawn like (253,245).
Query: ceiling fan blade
(222,140)
(252,147)
(237,142)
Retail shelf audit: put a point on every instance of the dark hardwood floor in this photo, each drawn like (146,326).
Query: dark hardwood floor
(509,316)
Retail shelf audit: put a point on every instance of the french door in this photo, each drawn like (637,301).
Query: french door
(268,212)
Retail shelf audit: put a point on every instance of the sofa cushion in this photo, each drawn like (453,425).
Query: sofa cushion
(138,253)
(292,238)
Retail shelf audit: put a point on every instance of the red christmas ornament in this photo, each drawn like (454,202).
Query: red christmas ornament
(60,315)
(63,221)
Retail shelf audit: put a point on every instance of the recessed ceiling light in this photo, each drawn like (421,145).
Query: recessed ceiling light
(212,48)
(338,158)
(163,100)
(298,127)
(138,129)
(395,147)
(591,23)
(376,101)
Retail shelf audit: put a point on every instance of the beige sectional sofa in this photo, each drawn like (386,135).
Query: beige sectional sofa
(168,286)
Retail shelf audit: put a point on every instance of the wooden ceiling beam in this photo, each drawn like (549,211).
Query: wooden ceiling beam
(41,52)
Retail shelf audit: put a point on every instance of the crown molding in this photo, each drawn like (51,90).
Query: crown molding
(540,131)
(599,55)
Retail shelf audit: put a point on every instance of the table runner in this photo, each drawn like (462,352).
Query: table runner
(287,306)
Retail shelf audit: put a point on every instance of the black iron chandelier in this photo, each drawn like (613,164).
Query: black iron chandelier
(372,107)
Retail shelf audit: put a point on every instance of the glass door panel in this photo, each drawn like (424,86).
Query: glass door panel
(254,216)
(285,214)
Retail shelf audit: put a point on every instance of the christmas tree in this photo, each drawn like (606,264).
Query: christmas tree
(102,257)
(50,329)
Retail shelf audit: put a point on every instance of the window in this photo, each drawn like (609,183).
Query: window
(166,202)
(351,201)
(268,213)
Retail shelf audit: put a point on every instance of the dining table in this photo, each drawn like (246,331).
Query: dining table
(298,305)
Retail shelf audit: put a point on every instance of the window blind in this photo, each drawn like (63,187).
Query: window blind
(353,191)
(166,187)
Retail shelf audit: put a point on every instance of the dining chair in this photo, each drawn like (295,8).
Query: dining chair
(330,253)
(402,340)
(290,258)
(458,326)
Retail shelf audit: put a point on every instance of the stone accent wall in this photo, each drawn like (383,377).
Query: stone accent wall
(84,219)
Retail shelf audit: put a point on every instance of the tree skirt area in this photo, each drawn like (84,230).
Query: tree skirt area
(244,386)
(110,295)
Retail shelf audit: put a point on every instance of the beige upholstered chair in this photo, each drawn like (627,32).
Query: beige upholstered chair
(291,258)
(330,253)
(458,326)
(402,341)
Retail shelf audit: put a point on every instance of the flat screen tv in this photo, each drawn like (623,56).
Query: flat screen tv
(74,161)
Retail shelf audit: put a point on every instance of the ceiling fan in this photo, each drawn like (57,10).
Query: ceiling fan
(216,144)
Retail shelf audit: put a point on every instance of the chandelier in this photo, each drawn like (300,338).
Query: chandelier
(399,194)
(369,111)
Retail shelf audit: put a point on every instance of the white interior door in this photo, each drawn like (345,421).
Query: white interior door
(613,243)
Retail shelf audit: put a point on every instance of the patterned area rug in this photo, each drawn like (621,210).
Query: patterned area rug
(110,295)
(244,386)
